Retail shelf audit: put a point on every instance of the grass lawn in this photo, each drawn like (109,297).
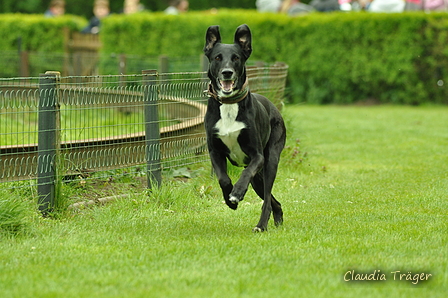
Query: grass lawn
(363,189)
(20,126)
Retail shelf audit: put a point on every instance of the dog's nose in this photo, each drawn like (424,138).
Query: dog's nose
(227,73)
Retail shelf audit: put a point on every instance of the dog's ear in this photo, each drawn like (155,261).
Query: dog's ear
(212,37)
(243,37)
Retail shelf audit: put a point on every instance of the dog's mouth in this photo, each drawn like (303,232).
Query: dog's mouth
(227,86)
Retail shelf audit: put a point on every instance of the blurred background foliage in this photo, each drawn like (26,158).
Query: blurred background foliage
(333,57)
(84,7)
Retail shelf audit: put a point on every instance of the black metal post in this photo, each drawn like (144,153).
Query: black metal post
(47,141)
(203,60)
(152,130)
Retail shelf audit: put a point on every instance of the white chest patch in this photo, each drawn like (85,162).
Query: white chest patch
(228,131)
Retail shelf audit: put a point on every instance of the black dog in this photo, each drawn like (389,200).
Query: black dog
(244,127)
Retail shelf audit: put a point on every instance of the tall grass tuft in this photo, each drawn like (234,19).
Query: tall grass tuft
(14,213)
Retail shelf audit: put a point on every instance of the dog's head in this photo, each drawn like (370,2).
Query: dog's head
(227,71)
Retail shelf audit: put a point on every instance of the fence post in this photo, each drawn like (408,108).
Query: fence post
(24,64)
(48,141)
(122,65)
(203,62)
(24,70)
(164,64)
(152,130)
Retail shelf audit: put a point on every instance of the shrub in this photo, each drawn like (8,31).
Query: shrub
(337,57)
(333,57)
(37,34)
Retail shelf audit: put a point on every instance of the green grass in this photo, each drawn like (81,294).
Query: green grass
(19,126)
(14,214)
(363,188)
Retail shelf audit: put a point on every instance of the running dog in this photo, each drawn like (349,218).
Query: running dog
(243,127)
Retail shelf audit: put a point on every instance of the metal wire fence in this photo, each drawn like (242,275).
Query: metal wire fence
(26,64)
(53,127)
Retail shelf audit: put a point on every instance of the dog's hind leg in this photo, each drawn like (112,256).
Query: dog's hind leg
(269,203)
(258,186)
(277,211)
(272,153)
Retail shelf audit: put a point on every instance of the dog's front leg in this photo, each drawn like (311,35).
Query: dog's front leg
(240,188)
(220,167)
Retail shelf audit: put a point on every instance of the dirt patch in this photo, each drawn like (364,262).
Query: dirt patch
(83,190)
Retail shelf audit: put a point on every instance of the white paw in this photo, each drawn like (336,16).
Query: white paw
(257,230)
(234,200)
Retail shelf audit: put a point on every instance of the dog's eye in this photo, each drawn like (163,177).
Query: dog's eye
(218,58)
(235,58)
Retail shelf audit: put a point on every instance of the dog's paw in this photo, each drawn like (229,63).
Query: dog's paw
(231,205)
(278,219)
(234,200)
(258,230)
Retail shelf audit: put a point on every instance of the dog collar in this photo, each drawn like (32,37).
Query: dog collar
(239,96)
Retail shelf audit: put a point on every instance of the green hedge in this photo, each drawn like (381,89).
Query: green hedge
(37,32)
(39,35)
(337,57)
(85,7)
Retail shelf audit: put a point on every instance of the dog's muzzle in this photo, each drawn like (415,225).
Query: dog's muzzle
(237,97)
(227,86)
(227,81)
